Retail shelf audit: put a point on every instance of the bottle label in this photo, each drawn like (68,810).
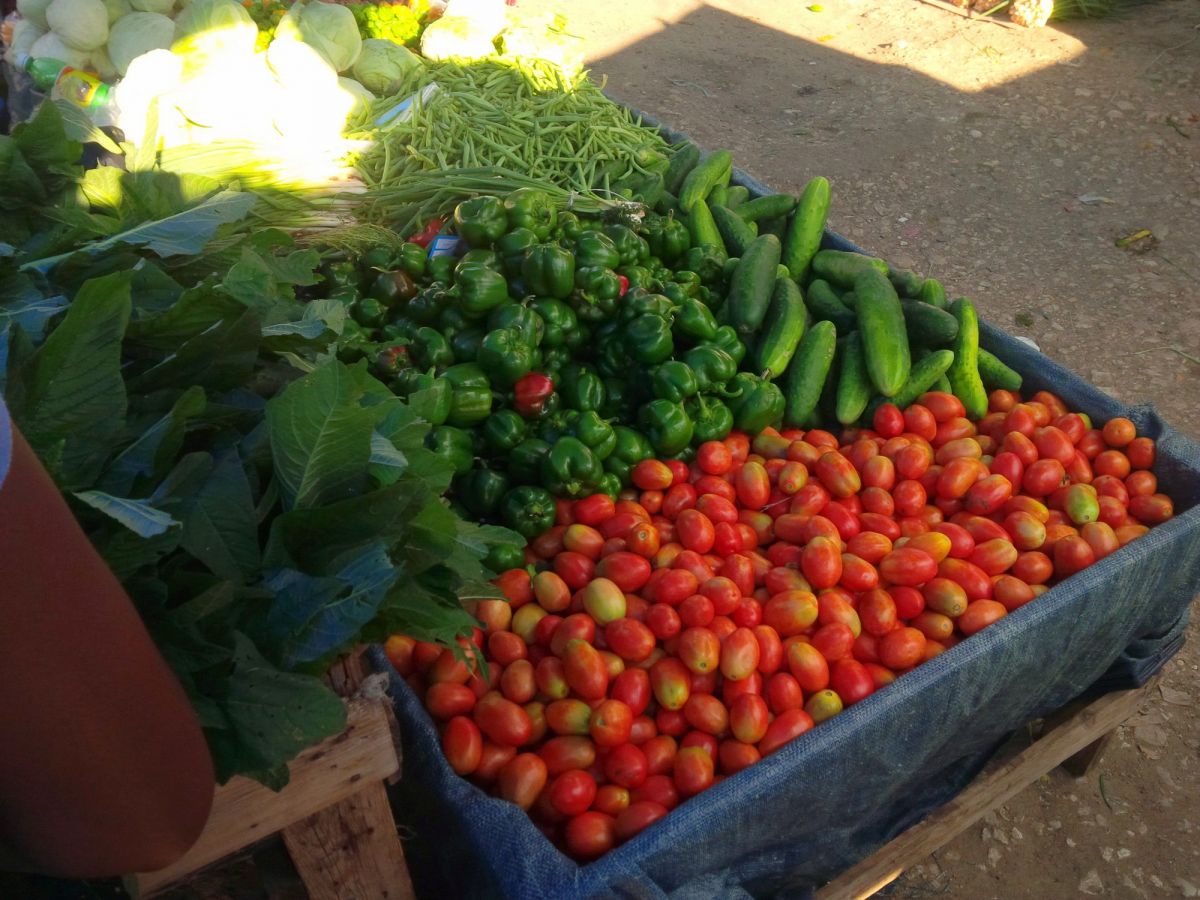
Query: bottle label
(77,86)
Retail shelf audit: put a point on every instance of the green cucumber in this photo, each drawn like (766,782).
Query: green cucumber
(964,372)
(854,387)
(906,282)
(777,227)
(881,324)
(933,293)
(772,206)
(714,169)
(666,204)
(807,227)
(850,300)
(716,197)
(781,330)
(781,271)
(736,196)
(923,376)
(704,230)
(734,231)
(996,374)
(943,385)
(731,264)
(823,303)
(681,163)
(807,373)
(927,325)
(840,267)
(752,283)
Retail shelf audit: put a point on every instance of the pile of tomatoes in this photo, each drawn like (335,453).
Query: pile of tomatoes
(661,642)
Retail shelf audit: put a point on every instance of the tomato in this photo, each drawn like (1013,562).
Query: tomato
(1119,432)
(630,639)
(659,752)
(907,566)
(1151,509)
(706,713)
(714,458)
(934,625)
(1012,591)
(821,562)
(834,641)
(1127,533)
(671,682)
(572,792)
(753,485)
(851,681)
(591,834)
(663,622)
(995,556)
(979,615)
(626,766)
(790,612)
(637,817)
(699,650)
(657,788)
(1033,567)
(1043,477)
(787,726)
(445,700)
(577,626)
(877,611)
(694,770)
(502,720)
(808,665)
(643,539)
(945,596)
(869,546)
(462,743)
(584,669)
(1025,531)
(1081,503)
(569,716)
(567,751)
(652,475)
(517,682)
(837,474)
(1072,554)
(522,778)
(1101,538)
(832,607)
(920,421)
(902,648)
(973,579)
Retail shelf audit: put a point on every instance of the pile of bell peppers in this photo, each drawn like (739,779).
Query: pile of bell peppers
(552,353)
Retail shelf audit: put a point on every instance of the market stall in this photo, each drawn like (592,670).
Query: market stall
(654,494)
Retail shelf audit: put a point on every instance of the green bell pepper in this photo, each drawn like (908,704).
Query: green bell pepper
(465,344)
(451,321)
(666,425)
(466,375)
(481,490)
(597,284)
(506,356)
(595,249)
(553,361)
(548,270)
(581,388)
(569,228)
(430,349)
(525,460)
(676,240)
(631,248)
(471,401)
(512,248)
(592,309)
(712,417)
(411,259)
(393,287)
(559,423)
(611,359)
(503,557)
(616,399)
(676,293)
(521,318)
(559,319)
(390,362)
(649,339)
(479,257)
(727,339)
(755,403)
(441,269)
(712,366)
(481,220)
(502,431)
(595,433)
(528,511)
(673,380)
(429,397)
(532,209)
(631,448)
(369,312)
(480,289)
(452,445)
(639,303)
(427,306)
(694,321)
(571,469)
(639,277)
(706,261)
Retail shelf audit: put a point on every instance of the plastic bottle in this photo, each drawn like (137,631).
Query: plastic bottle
(64,82)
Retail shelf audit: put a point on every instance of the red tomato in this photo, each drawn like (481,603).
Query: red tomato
(808,665)
(660,754)
(567,752)
(611,799)
(462,743)
(934,625)
(770,649)
(637,817)
(837,474)
(1151,509)
(877,611)
(694,770)
(1072,554)
(679,497)
(1033,567)
(1012,591)
(945,596)
(671,682)
(722,594)
(550,678)
(972,578)
(706,713)
(584,669)
(979,615)
(821,562)
(652,475)
(1119,432)
(517,682)
(611,723)
(783,693)
(907,566)
(790,612)
(714,458)
(658,788)
(834,641)
(699,650)
(569,716)
(591,834)
(851,680)
(577,626)
(663,621)
(503,721)
(522,779)
(902,648)
(1043,477)
(786,727)
(920,421)
(643,539)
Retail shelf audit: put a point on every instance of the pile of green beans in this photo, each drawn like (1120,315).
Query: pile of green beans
(498,114)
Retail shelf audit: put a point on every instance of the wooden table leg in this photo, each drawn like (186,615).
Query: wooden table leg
(351,851)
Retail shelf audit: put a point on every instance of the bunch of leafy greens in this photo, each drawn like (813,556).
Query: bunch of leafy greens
(266,506)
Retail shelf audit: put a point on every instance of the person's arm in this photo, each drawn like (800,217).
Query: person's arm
(103,766)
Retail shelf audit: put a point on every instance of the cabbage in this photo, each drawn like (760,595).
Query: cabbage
(362,97)
(382,65)
(299,65)
(102,64)
(138,33)
(34,11)
(51,46)
(456,37)
(329,28)
(208,29)
(146,77)
(163,7)
(82,24)
(116,9)
(24,35)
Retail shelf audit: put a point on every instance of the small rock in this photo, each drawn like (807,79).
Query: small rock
(1124,853)
(975,133)
(1107,854)
(994,855)
(1091,883)
(1186,888)
(1070,842)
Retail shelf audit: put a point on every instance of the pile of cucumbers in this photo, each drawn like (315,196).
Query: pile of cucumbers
(840,332)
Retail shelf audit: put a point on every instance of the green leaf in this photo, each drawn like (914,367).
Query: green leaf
(74,393)
(155,450)
(80,128)
(154,291)
(320,438)
(138,516)
(127,553)
(219,525)
(22,303)
(439,537)
(272,715)
(319,316)
(43,142)
(425,612)
(219,358)
(197,310)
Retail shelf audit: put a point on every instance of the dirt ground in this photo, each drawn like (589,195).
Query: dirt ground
(1005,162)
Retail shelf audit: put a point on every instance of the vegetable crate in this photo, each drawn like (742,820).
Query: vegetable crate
(334,814)
(833,796)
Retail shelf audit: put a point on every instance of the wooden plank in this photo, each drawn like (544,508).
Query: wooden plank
(351,851)
(1085,760)
(244,811)
(1059,741)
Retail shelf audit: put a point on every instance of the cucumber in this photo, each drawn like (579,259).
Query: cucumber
(906,282)
(928,325)
(736,196)
(923,376)
(854,387)
(704,230)
(781,271)
(964,372)
(716,197)
(752,283)
(807,227)
(840,267)
(824,304)
(714,169)
(772,206)
(943,385)
(933,293)
(781,330)
(777,227)
(807,373)
(731,264)
(734,231)
(666,204)
(881,324)
(996,374)
(850,300)
(682,161)
(825,415)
